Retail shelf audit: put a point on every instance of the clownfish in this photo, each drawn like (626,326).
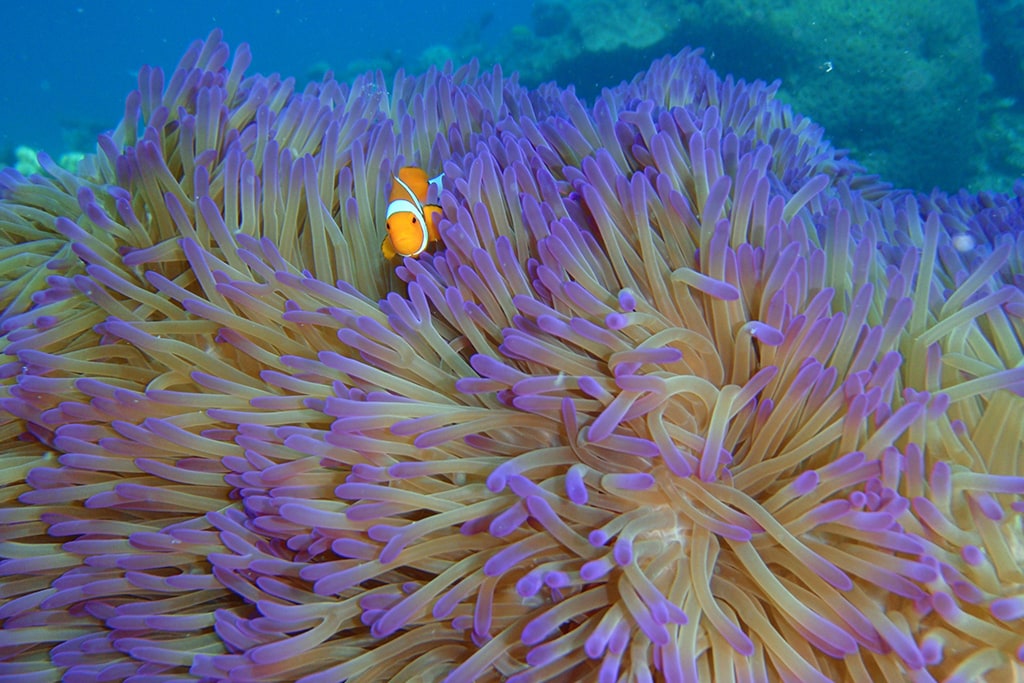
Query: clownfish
(411,223)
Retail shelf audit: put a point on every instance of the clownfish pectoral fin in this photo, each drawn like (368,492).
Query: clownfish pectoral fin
(387,249)
(436,181)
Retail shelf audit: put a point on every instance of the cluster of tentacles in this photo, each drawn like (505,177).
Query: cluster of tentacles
(684,397)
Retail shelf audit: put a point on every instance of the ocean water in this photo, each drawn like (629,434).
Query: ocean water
(67,66)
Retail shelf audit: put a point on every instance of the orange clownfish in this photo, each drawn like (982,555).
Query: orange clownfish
(411,224)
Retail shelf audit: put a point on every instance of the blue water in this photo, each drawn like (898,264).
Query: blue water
(67,67)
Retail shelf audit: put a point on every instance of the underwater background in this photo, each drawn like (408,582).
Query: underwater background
(924,93)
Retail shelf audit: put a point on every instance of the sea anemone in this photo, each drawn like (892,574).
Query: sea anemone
(685,396)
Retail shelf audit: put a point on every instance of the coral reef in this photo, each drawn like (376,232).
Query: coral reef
(26,160)
(898,83)
(687,395)
(1002,144)
(1002,22)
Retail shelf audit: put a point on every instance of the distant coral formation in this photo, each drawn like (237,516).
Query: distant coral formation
(899,83)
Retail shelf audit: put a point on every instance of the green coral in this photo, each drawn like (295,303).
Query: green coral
(26,161)
(1002,140)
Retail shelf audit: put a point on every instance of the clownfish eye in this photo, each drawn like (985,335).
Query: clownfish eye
(388,226)
(414,220)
